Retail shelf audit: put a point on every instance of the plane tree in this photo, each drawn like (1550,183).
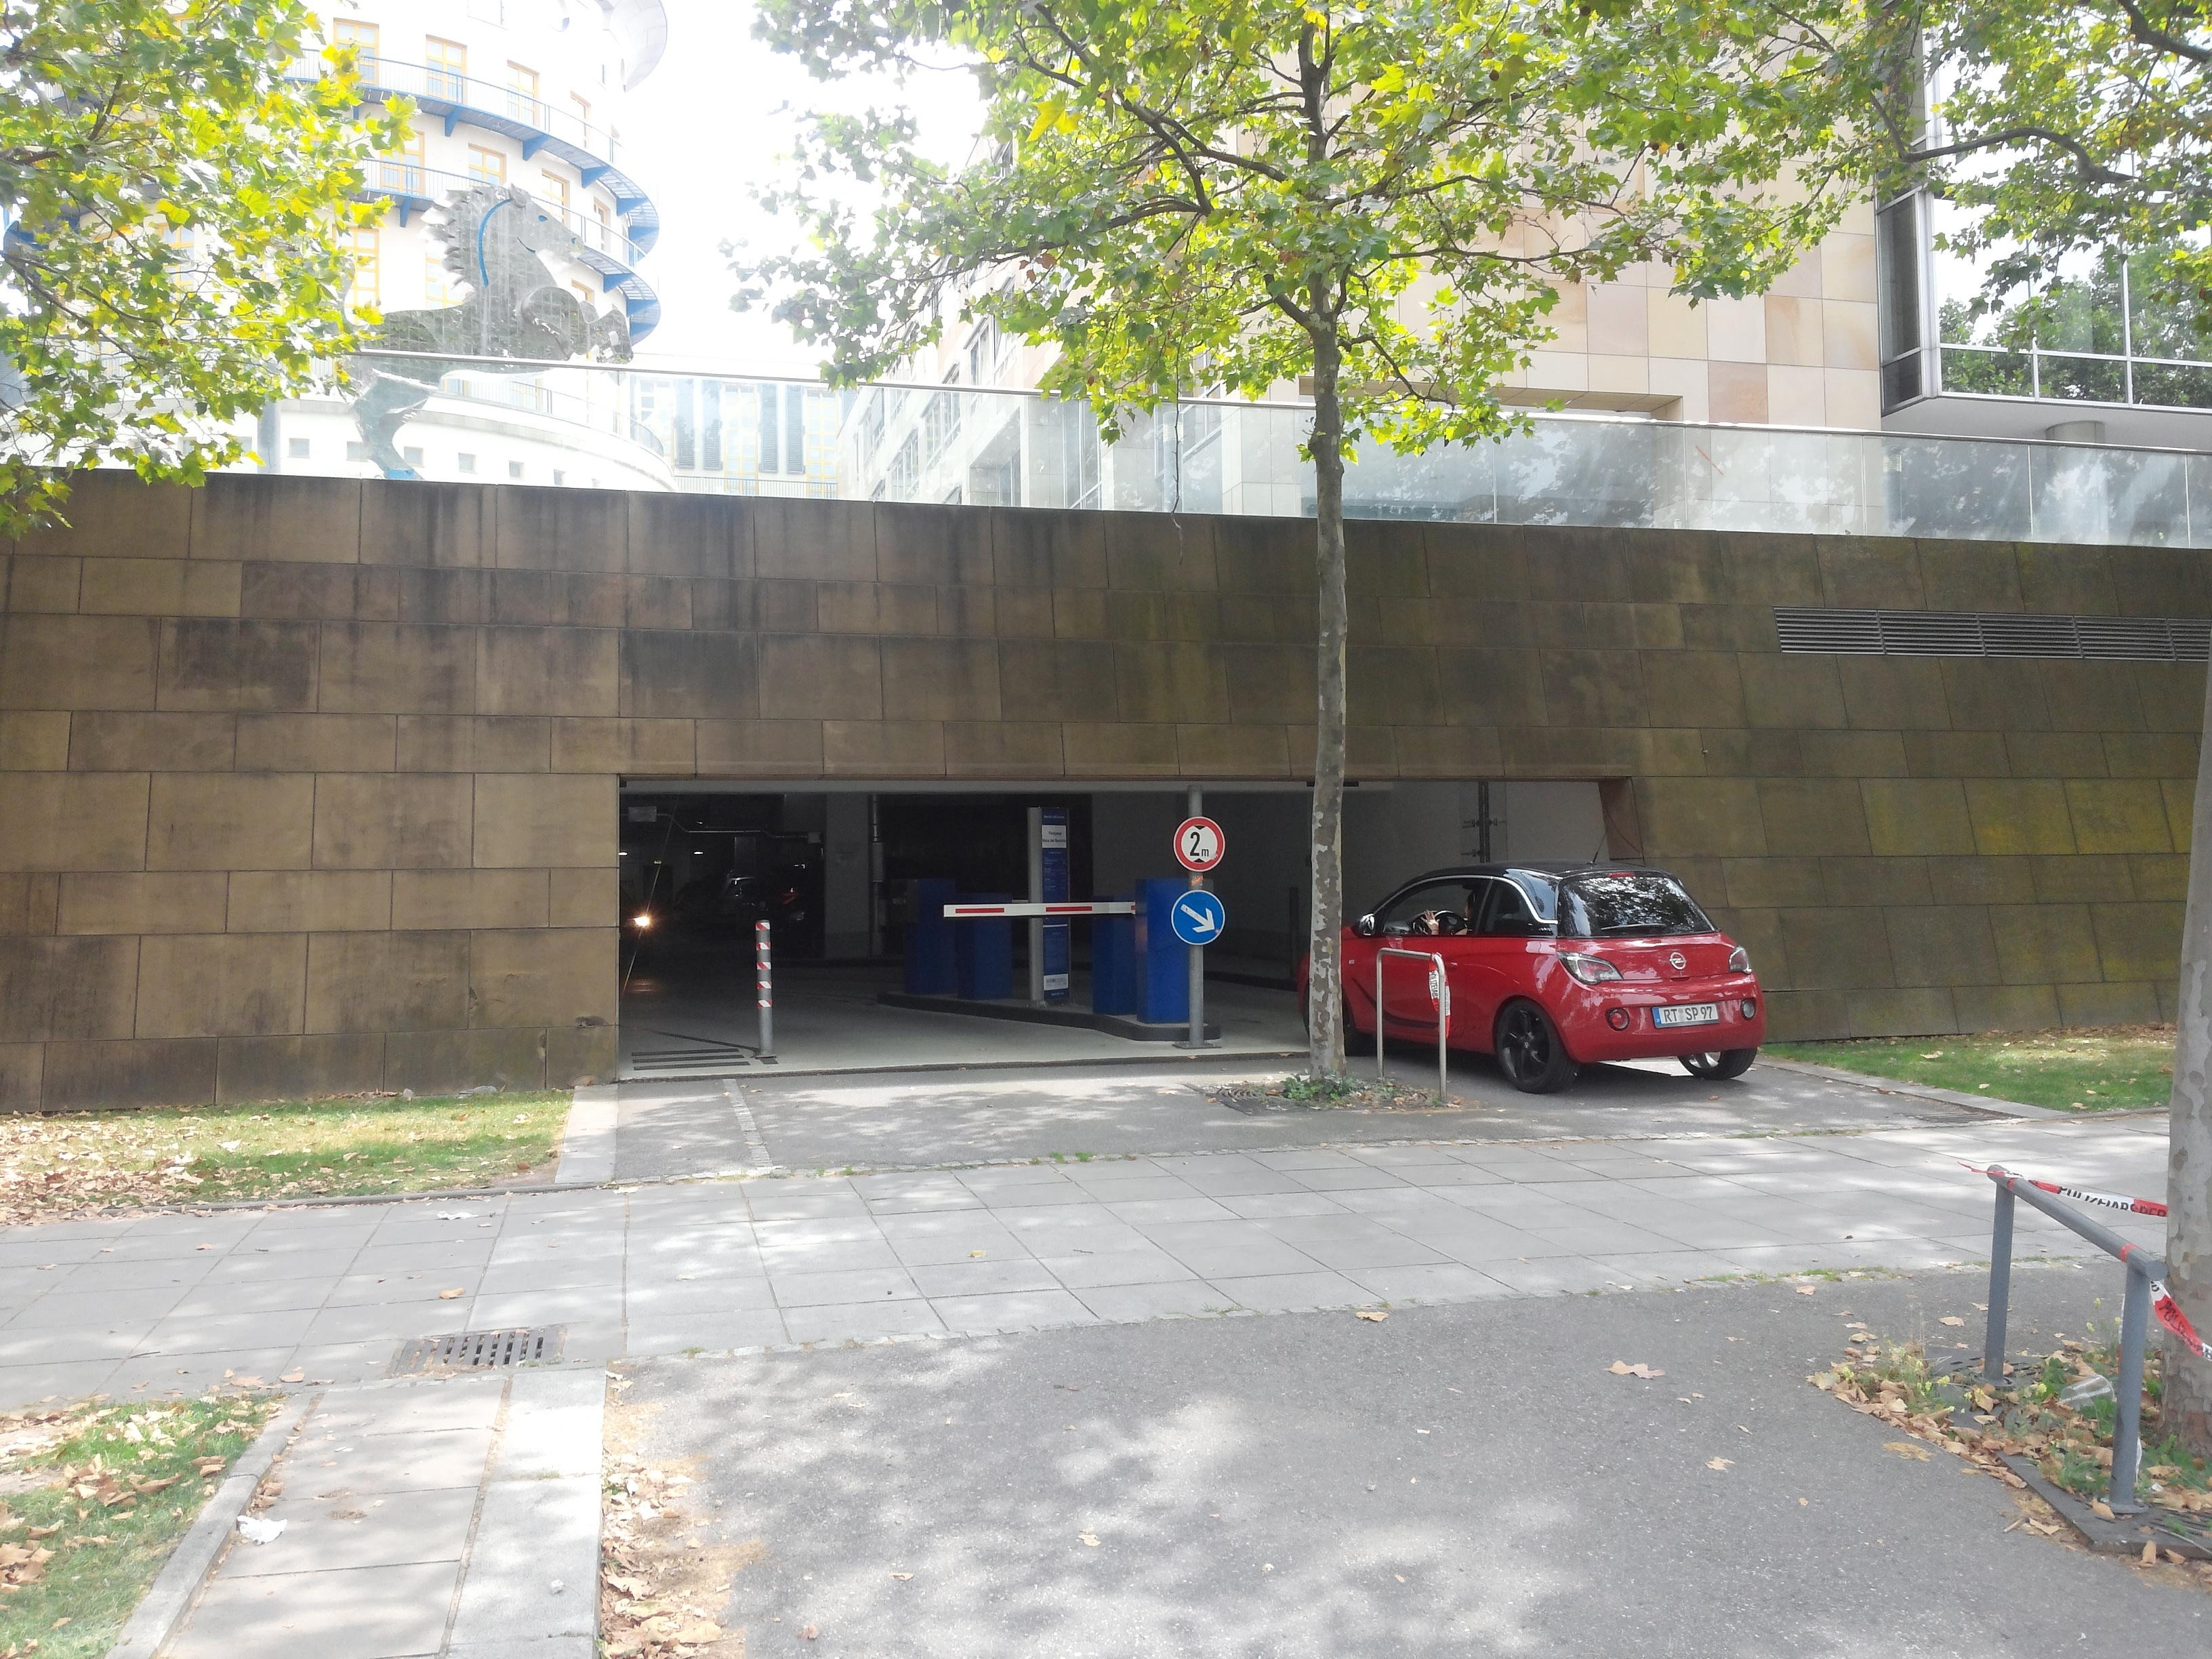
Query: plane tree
(1378,204)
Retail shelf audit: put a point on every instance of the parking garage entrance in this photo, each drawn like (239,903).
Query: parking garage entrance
(852,880)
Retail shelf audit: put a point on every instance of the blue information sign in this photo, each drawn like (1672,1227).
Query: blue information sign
(1052,849)
(1198,917)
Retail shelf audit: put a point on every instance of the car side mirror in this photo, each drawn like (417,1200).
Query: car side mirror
(1364,926)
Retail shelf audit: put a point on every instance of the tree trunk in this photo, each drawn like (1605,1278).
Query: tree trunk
(1324,1001)
(2186,1402)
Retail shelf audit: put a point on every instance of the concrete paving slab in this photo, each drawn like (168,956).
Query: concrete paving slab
(362,1613)
(329,1534)
(1173,1298)
(863,1322)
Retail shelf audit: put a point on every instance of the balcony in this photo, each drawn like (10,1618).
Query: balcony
(412,189)
(537,124)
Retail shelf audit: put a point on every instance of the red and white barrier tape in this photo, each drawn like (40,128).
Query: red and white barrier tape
(2170,1315)
(2082,1194)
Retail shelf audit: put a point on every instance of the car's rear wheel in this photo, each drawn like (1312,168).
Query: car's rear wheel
(1529,1051)
(1721,1066)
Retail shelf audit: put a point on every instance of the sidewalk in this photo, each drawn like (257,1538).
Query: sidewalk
(177,1302)
(456,1517)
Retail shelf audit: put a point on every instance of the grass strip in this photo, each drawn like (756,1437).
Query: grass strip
(66,1164)
(2124,1068)
(96,1497)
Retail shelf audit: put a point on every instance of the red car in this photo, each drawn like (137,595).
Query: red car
(1555,966)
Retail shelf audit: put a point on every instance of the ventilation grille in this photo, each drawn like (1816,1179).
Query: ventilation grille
(479,1351)
(1993,633)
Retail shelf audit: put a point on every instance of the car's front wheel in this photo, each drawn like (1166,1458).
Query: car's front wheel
(1721,1066)
(1529,1051)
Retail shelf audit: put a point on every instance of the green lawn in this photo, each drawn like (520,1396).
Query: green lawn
(2129,1066)
(99,1495)
(68,1162)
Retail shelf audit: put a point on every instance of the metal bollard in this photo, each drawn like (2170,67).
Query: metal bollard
(2127,1424)
(1993,1339)
(764,985)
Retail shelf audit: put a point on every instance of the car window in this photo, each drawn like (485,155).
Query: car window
(1628,902)
(1459,896)
(1509,914)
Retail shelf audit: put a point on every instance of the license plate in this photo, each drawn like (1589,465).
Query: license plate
(1688,1013)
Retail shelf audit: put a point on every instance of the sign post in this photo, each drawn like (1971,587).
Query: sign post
(1049,940)
(1199,918)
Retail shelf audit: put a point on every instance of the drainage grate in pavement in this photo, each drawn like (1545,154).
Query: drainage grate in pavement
(1249,1102)
(479,1351)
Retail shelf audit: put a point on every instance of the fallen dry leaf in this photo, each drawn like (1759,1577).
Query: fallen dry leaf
(1804,1290)
(2101,1509)
(902,1577)
(1720,1462)
(1621,1368)
(1374,1314)
(1906,1449)
(1950,1319)
(2149,1555)
(1088,1537)
(292,1376)
(448,1296)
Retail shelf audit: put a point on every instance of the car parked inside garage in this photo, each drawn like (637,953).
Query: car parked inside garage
(1552,967)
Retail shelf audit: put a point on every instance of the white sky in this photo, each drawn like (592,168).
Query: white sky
(714,119)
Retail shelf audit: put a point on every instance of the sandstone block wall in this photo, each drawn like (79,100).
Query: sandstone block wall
(310,785)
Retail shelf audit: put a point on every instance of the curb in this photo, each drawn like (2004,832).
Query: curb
(1989,1105)
(178,1585)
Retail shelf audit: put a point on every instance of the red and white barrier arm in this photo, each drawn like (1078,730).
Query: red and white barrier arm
(1084,908)
(2083,1195)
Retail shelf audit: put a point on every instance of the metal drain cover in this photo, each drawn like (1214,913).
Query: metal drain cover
(1250,1102)
(480,1350)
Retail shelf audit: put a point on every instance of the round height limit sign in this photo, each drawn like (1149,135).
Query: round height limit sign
(1199,845)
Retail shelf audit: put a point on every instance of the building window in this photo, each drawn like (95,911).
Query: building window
(445,70)
(514,469)
(559,476)
(710,426)
(556,191)
(363,295)
(436,281)
(905,471)
(411,455)
(522,102)
(582,106)
(356,450)
(362,37)
(296,448)
(400,167)
(465,461)
(984,349)
(487,166)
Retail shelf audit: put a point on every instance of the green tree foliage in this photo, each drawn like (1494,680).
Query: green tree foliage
(2064,124)
(1383,202)
(176,181)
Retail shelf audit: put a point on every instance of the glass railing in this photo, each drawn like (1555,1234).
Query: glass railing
(407,178)
(988,448)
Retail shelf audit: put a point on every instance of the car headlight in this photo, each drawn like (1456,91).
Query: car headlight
(1590,970)
(1739,961)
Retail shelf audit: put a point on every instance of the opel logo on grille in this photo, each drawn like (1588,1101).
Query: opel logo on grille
(1678,961)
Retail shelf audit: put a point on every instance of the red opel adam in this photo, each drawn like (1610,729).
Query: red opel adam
(1555,966)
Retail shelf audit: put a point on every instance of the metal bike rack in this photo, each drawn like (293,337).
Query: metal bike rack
(1440,994)
(2143,1268)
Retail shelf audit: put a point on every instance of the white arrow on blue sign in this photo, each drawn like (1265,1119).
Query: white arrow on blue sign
(1199,917)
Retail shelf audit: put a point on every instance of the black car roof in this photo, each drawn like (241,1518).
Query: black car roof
(1551,870)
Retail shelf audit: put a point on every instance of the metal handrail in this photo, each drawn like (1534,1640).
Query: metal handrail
(1439,994)
(484,97)
(2143,1266)
(389,177)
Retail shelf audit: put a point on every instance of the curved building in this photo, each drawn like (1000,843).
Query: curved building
(509,95)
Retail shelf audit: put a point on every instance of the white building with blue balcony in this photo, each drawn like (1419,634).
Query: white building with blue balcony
(516,95)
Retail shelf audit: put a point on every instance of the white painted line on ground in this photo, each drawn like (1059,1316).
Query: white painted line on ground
(587,1144)
(756,1146)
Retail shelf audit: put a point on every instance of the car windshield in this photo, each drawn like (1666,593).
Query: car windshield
(1618,902)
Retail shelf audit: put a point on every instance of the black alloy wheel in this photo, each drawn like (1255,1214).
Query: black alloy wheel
(1727,1063)
(1529,1051)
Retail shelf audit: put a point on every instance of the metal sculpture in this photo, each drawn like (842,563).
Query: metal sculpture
(516,310)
